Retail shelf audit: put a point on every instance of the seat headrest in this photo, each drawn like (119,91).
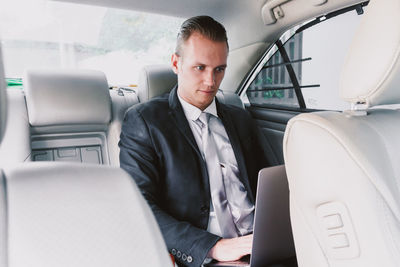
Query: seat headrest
(3,99)
(371,73)
(59,97)
(155,80)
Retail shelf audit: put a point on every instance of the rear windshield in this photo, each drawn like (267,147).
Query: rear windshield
(48,34)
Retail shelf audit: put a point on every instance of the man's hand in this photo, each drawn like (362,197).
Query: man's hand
(231,249)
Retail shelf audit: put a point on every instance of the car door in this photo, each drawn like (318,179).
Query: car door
(300,73)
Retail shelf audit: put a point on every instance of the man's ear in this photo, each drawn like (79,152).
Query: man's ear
(175,62)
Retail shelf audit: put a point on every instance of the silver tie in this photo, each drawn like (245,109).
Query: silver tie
(217,187)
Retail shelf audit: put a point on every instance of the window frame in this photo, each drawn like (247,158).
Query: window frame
(278,46)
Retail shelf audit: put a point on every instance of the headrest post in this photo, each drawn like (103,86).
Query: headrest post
(357,109)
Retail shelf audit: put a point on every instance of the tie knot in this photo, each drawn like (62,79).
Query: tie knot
(203,118)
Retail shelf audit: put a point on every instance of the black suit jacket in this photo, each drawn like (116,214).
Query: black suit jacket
(159,151)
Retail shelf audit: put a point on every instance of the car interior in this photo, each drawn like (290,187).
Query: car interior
(319,77)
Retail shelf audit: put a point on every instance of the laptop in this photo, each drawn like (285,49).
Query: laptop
(272,239)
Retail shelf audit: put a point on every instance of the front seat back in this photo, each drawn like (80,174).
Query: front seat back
(73,214)
(343,168)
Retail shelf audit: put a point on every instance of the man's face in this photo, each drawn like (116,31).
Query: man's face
(200,69)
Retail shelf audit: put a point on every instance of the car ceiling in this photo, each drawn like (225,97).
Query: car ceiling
(242,18)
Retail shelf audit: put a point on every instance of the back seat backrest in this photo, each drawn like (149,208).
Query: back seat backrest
(121,100)
(155,80)
(72,117)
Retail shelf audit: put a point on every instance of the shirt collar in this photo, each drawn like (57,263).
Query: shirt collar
(193,113)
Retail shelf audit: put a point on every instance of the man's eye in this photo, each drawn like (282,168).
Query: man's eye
(220,69)
(199,67)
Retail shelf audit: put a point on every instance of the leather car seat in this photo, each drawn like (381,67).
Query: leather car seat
(73,116)
(343,167)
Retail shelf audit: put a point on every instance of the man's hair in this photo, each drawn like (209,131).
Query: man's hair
(204,25)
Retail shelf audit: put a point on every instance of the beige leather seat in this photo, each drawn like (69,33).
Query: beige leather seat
(74,214)
(70,214)
(155,80)
(343,168)
(73,116)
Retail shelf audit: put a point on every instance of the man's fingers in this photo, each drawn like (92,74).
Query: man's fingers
(232,249)
(245,241)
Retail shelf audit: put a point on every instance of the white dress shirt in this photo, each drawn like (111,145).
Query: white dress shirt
(241,208)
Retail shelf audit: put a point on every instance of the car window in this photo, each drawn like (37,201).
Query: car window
(14,83)
(50,34)
(304,70)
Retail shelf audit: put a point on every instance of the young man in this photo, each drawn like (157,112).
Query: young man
(194,159)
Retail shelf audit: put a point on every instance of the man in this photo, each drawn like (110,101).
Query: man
(194,159)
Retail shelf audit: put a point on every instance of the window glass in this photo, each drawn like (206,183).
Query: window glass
(314,60)
(47,34)
(273,81)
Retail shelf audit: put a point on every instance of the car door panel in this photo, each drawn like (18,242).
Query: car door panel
(272,123)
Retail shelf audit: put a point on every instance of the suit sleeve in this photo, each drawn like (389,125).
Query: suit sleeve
(139,158)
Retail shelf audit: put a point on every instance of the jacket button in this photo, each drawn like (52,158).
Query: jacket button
(173,251)
(184,257)
(178,254)
(189,259)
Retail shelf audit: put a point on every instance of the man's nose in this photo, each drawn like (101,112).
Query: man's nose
(209,78)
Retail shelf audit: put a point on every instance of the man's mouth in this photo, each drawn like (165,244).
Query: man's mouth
(207,91)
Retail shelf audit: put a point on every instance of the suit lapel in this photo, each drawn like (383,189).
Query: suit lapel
(235,143)
(179,118)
